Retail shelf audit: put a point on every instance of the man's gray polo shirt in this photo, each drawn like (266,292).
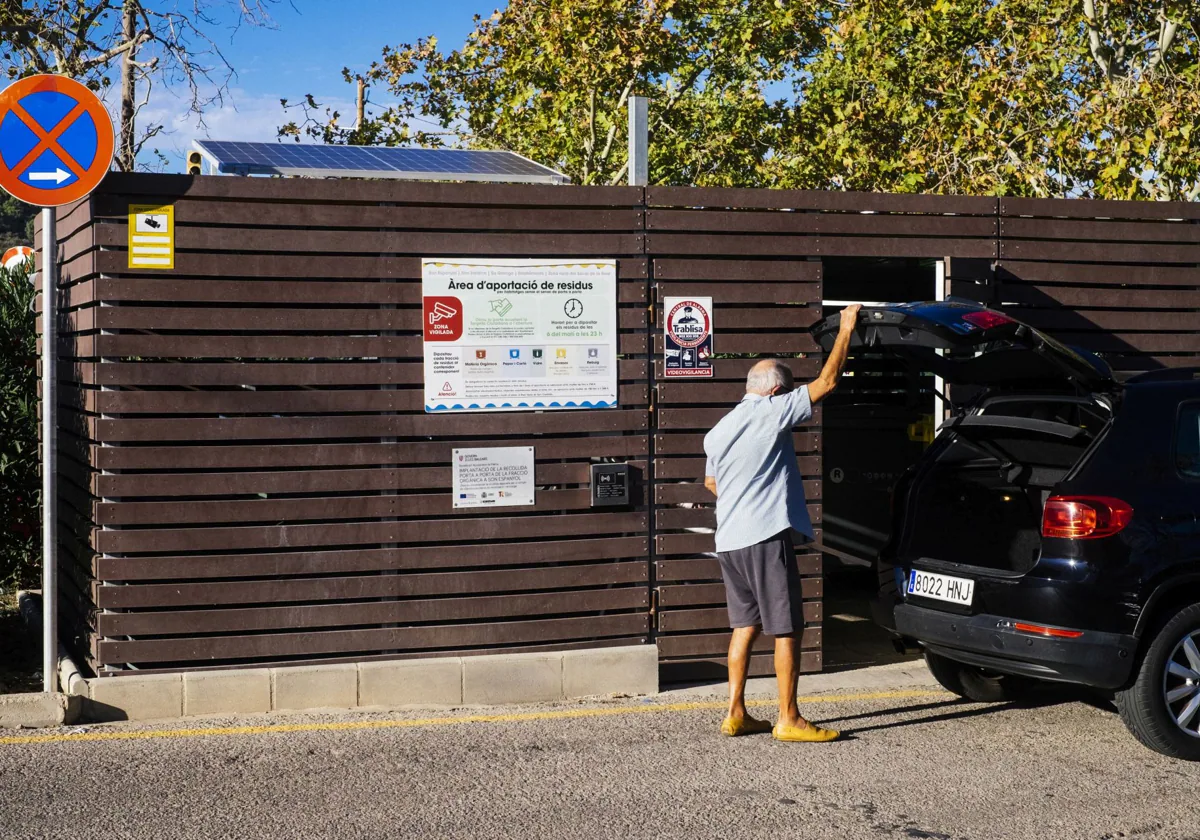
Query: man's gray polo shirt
(752,457)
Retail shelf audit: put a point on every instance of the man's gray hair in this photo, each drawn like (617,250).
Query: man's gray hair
(768,374)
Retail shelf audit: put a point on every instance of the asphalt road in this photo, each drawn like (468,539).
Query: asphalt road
(916,765)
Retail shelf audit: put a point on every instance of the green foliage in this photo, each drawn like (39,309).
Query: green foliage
(16,222)
(20,483)
(551,80)
(1033,97)
(1095,98)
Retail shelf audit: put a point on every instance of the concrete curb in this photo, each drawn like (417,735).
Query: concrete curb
(38,711)
(448,681)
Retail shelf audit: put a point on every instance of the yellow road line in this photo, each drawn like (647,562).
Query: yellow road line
(564,714)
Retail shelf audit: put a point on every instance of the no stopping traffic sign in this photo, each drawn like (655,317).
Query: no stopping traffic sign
(56,140)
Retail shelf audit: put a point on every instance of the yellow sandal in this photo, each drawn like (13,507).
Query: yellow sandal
(809,734)
(745,726)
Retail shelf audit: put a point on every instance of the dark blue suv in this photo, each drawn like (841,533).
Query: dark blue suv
(1051,531)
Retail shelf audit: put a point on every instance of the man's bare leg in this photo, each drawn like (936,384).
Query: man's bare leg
(787,673)
(739,665)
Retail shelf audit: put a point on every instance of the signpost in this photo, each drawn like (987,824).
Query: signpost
(56,144)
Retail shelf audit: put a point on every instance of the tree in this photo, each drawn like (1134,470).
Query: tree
(550,79)
(16,222)
(144,42)
(1031,97)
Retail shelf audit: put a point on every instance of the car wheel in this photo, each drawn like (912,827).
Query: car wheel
(1162,707)
(975,683)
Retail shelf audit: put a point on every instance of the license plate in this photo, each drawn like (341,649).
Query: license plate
(956,590)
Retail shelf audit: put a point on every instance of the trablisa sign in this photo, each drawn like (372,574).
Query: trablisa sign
(688,337)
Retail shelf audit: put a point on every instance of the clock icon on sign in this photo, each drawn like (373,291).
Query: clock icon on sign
(573,308)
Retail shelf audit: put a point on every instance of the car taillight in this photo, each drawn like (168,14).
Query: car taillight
(986,319)
(1052,632)
(1084,517)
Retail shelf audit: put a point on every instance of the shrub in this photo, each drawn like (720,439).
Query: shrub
(20,481)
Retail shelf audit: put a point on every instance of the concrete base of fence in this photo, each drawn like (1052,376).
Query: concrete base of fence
(451,681)
(38,711)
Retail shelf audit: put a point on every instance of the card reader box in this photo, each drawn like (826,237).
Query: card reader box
(610,485)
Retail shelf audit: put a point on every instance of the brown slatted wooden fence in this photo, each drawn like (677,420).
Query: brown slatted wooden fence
(758,253)
(1119,278)
(248,476)
(265,485)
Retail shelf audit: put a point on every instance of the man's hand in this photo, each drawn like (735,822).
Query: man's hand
(850,317)
(823,385)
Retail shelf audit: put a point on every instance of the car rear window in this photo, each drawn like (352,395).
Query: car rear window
(1187,440)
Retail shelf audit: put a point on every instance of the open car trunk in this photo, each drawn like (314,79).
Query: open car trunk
(977,499)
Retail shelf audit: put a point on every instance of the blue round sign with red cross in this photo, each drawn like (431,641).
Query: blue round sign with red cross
(56,140)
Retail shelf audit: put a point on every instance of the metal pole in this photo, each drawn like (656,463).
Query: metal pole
(639,142)
(49,451)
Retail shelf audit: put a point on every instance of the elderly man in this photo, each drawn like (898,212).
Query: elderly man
(760,500)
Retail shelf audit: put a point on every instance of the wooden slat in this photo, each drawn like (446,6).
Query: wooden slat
(1076,297)
(854,202)
(1098,209)
(678,518)
(733,319)
(679,443)
(779,272)
(693,594)
(284,319)
(408,425)
(291,455)
(233,374)
(1062,322)
(731,342)
(743,221)
(670,468)
(1115,252)
(292,214)
(140,187)
(278,645)
(1102,230)
(727,293)
(411,585)
(304,536)
(697,493)
(280,240)
(707,568)
(701,418)
(190,622)
(301,563)
(717,618)
(1060,272)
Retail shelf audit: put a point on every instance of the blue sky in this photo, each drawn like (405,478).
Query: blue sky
(305,53)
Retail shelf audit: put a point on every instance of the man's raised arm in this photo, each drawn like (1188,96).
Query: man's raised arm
(823,385)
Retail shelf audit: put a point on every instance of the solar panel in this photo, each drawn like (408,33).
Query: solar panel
(318,161)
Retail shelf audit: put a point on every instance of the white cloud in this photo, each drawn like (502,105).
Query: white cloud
(242,116)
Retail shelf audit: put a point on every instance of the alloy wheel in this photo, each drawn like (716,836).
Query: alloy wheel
(1181,684)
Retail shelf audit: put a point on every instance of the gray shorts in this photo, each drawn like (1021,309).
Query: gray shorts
(762,586)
